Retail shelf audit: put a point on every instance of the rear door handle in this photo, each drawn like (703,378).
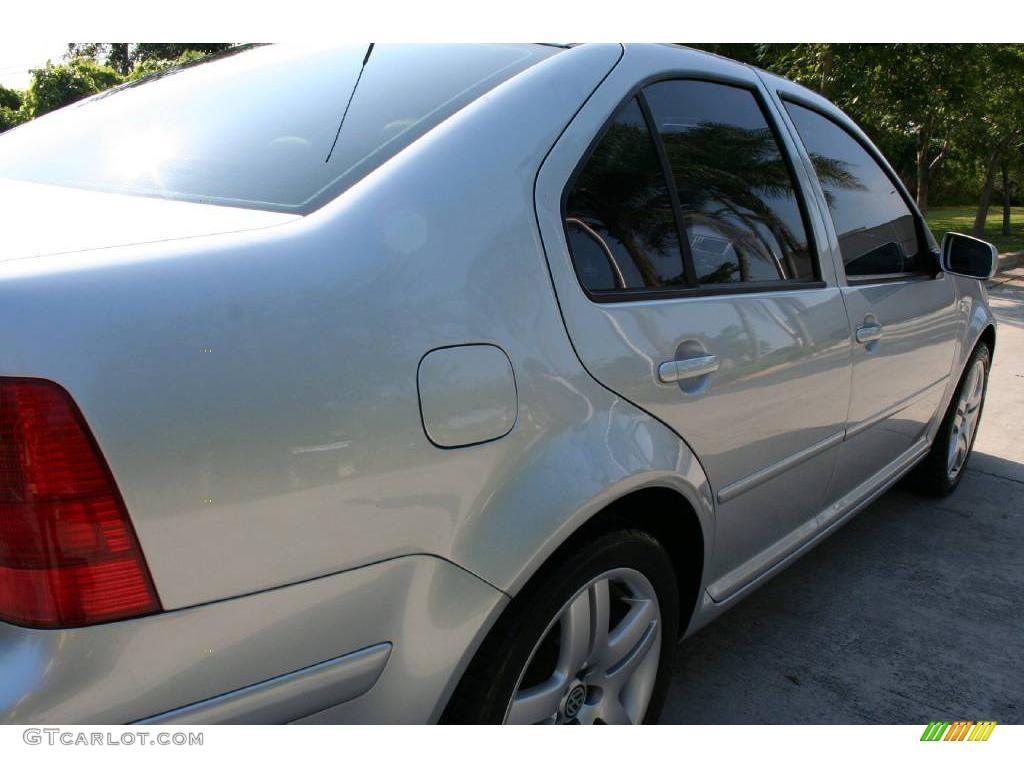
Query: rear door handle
(869,332)
(691,368)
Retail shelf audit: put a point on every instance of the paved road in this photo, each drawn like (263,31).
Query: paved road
(912,612)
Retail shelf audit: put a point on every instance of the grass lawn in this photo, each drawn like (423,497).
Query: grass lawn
(943,220)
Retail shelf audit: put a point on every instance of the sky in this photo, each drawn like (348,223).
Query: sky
(17,57)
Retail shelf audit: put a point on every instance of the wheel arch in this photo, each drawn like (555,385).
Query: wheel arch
(670,518)
(988,336)
(660,510)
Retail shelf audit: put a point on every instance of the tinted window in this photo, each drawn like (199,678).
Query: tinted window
(255,128)
(876,229)
(618,213)
(738,203)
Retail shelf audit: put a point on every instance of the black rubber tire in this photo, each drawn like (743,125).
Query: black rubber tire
(483,694)
(930,477)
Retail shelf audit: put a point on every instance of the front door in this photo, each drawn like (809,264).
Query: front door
(903,311)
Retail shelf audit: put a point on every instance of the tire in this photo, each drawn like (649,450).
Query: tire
(546,659)
(941,470)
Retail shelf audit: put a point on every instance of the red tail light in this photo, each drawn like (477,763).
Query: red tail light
(68,553)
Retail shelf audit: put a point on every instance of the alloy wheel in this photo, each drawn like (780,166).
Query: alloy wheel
(965,420)
(597,661)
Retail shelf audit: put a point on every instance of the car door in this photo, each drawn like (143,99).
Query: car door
(686,268)
(903,309)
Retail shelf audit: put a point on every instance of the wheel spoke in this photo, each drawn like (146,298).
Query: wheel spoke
(600,606)
(972,383)
(954,442)
(538,704)
(577,631)
(959,451)
(975,389)
(973,406)
(613,713)
(621,672)
(629,632)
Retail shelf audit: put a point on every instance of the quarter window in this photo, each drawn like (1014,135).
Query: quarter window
(619,220)
(875,226)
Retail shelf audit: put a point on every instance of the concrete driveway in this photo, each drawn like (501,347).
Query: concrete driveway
(912,612)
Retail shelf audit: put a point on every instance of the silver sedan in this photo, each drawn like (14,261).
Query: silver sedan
(446,383)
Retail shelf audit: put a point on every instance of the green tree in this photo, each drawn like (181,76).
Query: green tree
(125,57)
(94,51)
(11,98)
(918,91)
(57,85)
(147,67)
(999,124)
(9,118)
(171,51)
(10,108)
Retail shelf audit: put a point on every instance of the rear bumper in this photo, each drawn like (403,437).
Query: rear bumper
(382,643)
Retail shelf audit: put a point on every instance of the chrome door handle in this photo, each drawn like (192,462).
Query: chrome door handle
(869,332)
(677,370)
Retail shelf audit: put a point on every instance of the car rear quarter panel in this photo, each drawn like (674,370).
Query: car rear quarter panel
(430,611)
(255,393)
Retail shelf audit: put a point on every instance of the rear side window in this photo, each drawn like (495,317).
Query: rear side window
(875,226)
(256,129)
(737,198)
(619,220)
(687,188)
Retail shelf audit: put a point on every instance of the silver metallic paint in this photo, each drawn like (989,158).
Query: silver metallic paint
(126,671)
(289,504)
(764,342)
(290,696)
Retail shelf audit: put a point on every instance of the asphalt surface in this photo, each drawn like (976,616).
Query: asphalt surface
(914,611)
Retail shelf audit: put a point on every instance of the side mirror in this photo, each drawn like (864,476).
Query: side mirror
(969,256)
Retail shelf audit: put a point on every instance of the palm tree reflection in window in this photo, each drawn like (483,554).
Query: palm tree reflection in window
(737,200)
(866,250)
(735,190)
(622,231)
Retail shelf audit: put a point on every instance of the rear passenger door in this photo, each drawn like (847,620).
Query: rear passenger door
(903,309)
(690,284)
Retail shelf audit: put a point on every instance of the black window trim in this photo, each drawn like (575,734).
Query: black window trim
(685,252)
(695,291)
(928,270)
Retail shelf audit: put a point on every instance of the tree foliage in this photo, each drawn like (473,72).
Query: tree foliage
(57,85)
(126,57)
(10,98)
(10,104)
(946,116)
(89,68)
(147,67)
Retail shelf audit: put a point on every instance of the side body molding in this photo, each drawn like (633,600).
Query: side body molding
(288,697)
